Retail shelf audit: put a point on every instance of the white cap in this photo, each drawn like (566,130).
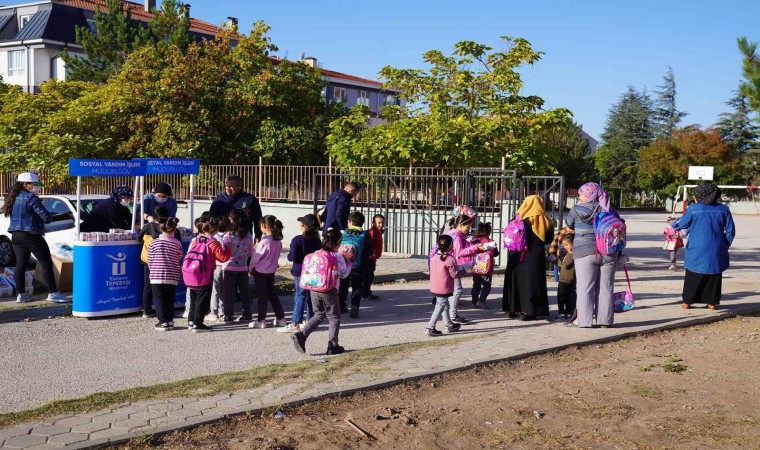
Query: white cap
(29,177)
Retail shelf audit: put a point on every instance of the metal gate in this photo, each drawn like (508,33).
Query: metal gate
(416,207)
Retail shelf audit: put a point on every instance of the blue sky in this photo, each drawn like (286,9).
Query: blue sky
(594,49)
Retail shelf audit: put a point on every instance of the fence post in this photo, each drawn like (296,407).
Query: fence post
(261,173)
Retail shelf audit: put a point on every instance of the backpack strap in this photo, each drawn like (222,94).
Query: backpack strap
(627,278)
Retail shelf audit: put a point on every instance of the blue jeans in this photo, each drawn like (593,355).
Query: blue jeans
(301,299)
(441,311)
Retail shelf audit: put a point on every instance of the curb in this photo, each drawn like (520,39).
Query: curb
(381,384)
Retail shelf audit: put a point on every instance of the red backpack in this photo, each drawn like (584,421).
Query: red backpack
(198,264)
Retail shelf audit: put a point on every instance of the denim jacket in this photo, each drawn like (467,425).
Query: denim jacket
(28,214)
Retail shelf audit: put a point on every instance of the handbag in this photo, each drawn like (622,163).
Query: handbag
(623,301)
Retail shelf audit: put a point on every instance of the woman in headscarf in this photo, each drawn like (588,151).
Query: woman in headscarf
(711,232)
(112,212)
(162,195)
(525,295)
(594,273)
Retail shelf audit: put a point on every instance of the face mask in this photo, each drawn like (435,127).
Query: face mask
(161,200)
(36,189)
(125,203)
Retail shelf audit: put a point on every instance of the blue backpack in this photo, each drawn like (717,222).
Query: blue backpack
(610,233)
(357,241)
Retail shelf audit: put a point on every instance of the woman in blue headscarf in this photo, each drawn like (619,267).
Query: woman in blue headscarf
(594,273)
(112,212)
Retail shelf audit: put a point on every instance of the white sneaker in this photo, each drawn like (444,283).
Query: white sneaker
(185,315)
(23,298)
(212,317)
(57,297)
(290,328)
(258,324)
(279,322)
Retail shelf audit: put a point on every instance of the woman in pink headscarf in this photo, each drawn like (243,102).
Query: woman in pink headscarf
(595,273)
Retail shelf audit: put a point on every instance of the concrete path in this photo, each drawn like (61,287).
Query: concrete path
(63,358)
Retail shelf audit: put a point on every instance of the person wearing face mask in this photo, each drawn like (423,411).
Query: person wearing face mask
(161,196)
(27,219)
(111,212)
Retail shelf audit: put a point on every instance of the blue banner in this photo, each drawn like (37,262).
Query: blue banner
(156,166)
(106,167)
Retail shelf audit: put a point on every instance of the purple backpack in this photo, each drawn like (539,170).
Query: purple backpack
(515,239)
(198,264)
(609,231)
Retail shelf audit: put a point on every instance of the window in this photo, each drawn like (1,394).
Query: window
(93,25)
(339,94)
(17,63)
(23,20)
(390,100)
(363,98)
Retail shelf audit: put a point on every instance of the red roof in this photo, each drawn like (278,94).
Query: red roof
(137,11)
(344,76)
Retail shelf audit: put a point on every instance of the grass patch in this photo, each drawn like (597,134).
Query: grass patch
(359,361)
(674,368)
(646,392)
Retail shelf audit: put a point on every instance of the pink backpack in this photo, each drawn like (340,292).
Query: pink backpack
(198,264)
(319,272)
(515,239)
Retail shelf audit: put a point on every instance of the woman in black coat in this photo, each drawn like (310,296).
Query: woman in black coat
(111,212)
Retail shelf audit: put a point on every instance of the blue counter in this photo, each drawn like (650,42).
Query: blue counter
(107,278)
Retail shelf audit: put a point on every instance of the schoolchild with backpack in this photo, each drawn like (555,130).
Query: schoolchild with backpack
(148,233)
(217,287)
(443,272)
(263,265)
(234,277)
(464,254)
(599,240)
(301,246)
(164,259)
(198,271)
(321,274)
(483,265)
(356,247)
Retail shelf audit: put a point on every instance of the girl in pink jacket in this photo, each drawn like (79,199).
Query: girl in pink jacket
(463,251)
(263,265)
(443,272)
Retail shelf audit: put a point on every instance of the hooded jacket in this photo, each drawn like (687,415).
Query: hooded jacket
(336,211)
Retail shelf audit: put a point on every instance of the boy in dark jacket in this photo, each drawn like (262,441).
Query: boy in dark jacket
(359,239)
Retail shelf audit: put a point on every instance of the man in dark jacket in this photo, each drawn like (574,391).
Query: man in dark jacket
(338,206)
(235,198)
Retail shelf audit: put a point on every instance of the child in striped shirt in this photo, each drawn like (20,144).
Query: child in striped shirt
(164,260)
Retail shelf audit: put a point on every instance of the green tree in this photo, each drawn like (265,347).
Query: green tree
(573,160)
(751,71)
(466,110)
(629,128)
(742,130)
(666,116)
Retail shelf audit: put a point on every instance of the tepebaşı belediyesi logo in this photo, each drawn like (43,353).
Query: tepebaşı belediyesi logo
(119,266)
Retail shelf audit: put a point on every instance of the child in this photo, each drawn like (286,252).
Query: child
(326,303)
(198,224)
(217,289)
(481,283)
(464,251)
(304,244)
(354,236)
(164,259)
(239,242)
(673,242)
(443,272)
(368,273)
(566,287)
(263,266)
(200,296)
(149,232)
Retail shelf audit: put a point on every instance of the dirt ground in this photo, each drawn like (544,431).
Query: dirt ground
(697,387)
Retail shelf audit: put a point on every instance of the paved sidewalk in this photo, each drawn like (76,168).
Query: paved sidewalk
(657,291)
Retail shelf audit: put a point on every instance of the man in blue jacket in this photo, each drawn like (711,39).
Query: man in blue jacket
(338,207)
(234,197)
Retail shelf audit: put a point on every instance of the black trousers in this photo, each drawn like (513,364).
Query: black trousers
(147,294)
(200,304)
(354,281)
(266,294)
(481,287)
(368,276)
(164,295)
(24,245)
(566,297)
(702,288)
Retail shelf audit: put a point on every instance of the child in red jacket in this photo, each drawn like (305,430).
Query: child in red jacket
(368,272)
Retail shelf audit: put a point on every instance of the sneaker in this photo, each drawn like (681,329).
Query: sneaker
(190,325)
(459,319)
(201,328)
(258,324)
(279,322)
(337,350)
(243,319)
(185,315)
(374,297)
(432,332)
(162,327)
(212,317)
(171,324)
(290,328)
(57,297)
(452,328)
(478,306)
(354,314)
(149,313)
(299,342)
(23,298)
(672,267)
